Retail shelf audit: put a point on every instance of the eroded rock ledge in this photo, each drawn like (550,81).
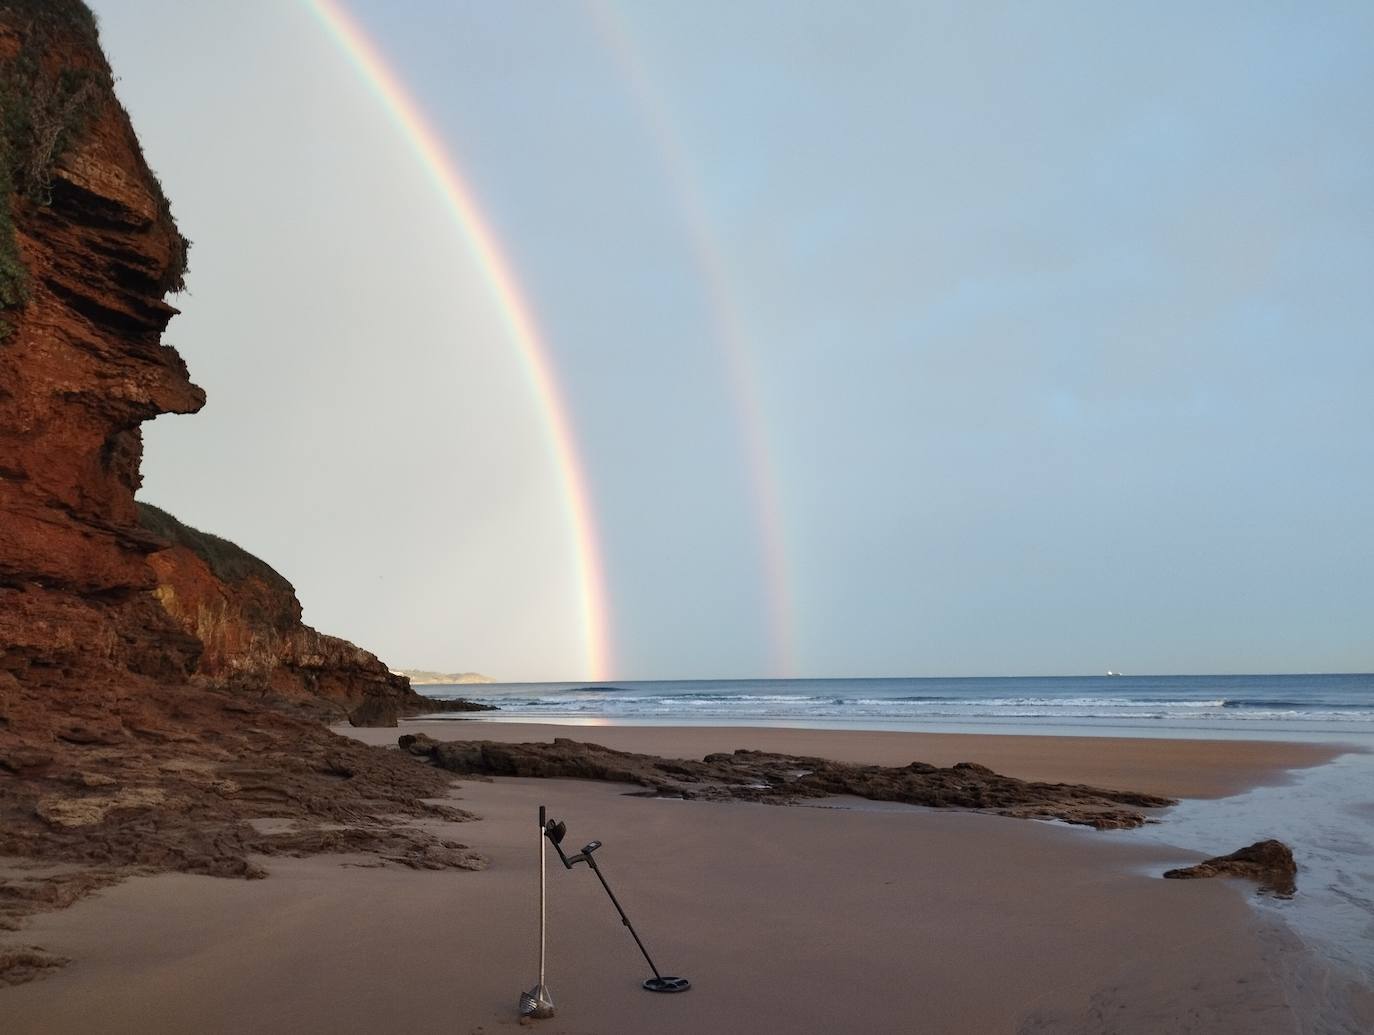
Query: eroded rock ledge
(174,779)
(783,779)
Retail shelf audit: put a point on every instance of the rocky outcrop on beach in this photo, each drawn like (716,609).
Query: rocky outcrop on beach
(142,777)
(198,781)
(136,734)
(20,963)
(1269,863)
(786,779)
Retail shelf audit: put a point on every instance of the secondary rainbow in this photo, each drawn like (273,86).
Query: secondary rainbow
(732,334)
(515,311)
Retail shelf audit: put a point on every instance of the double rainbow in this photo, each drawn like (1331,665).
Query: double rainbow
(520,322)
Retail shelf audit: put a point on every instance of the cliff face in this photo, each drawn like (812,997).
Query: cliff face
(149,706)
(87,250)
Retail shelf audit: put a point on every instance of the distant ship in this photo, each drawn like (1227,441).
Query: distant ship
(1111,673)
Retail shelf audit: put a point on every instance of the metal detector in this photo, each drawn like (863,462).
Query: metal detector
(555,831)
(538,1002)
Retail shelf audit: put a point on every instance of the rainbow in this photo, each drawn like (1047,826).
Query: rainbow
(515,311)
(731,332)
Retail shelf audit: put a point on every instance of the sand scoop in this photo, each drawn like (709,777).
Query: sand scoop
(538,1002)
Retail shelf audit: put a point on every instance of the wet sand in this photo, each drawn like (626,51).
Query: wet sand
(802,919)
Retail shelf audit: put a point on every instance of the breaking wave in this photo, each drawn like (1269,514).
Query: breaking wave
(1214,701)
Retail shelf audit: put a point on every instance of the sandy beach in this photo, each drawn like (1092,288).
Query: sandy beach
(858,918)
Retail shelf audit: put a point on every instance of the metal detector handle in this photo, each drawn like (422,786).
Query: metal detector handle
(584,856)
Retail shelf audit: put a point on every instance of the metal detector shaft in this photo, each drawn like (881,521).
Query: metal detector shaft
(591,861)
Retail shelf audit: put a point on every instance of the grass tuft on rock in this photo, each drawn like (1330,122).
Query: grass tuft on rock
(45,112)
(229,561)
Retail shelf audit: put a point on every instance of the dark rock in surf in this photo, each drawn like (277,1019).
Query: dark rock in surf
(1269,863)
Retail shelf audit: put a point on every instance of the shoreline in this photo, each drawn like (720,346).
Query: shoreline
(816,919)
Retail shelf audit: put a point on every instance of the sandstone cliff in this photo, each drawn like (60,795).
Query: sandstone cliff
(135,732)
(88,248)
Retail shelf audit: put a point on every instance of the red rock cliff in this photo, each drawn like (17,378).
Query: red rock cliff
(88,248)
(148,706)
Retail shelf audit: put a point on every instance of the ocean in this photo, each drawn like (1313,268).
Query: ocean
(1315,707)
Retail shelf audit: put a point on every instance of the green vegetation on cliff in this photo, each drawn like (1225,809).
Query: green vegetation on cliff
(44,111)
(40,117)
(229,562)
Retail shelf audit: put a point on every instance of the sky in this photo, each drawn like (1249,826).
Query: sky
(894,339)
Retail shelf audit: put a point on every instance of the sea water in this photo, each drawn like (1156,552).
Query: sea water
(1315,706)
(1326,814)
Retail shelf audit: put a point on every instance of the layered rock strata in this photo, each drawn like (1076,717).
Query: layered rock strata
(88,248)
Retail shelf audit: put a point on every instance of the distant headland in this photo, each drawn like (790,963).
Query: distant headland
(421,677)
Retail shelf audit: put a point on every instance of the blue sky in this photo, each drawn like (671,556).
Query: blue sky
(1057,317)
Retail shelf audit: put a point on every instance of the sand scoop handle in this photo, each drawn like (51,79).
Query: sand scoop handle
(543,895)
(537,1002)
